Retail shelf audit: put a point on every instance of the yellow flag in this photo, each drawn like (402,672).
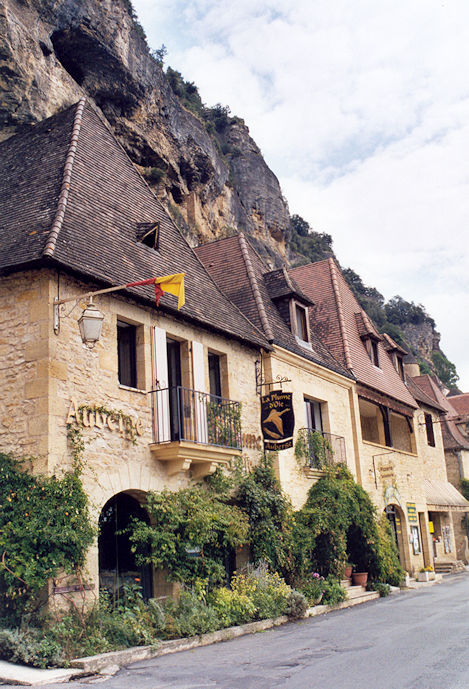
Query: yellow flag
(174,284)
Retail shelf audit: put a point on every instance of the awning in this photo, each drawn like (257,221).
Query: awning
(442,496)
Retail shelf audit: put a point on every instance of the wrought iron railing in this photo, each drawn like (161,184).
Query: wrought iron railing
(319,449)
(184,414)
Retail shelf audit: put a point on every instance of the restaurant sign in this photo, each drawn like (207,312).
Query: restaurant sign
(277,420)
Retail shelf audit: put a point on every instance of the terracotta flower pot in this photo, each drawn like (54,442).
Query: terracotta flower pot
(348,571)
(359,578)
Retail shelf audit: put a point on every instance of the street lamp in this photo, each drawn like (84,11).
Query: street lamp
(90,324)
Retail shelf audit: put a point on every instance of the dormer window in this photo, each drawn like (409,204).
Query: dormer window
(301,323)
(149,234)
(374,353)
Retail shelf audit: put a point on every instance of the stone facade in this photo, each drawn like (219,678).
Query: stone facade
(50,380)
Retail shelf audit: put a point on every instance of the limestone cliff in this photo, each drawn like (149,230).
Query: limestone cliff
(52,52)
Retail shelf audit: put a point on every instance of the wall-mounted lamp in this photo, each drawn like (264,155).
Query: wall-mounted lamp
(90,324)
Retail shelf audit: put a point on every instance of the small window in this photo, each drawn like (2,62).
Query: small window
(429,430)
(301,323)
(214,374)
(374,353)
(400,367)
(127,354)
(313,415)
(149,234)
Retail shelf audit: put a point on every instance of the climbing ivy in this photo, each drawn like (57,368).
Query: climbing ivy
(45,528)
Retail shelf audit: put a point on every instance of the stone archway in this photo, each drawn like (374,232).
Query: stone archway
(396,518)
(117,565)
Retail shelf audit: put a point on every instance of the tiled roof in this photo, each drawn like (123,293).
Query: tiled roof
(240,272)
(341,323)
(70,196)
(421,396)
(391,345)
(280,285)
(453,439)
(460,403)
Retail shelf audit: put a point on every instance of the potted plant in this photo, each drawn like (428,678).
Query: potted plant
(359,578)
(426,574)
(348,570)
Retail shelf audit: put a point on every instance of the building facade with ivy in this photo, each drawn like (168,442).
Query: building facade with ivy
(165,396)
(400,450)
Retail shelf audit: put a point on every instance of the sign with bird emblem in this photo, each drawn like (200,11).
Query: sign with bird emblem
(277,420)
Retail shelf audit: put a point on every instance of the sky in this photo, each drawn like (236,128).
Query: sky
(362,111)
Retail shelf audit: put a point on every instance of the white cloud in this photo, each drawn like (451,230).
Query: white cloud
(361,109)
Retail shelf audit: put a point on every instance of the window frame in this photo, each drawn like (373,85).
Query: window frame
(126,335)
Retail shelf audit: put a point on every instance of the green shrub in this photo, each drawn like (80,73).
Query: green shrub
(189,617)
(232,607)
(383,589)
(297,605)
(333,592)
(29,647)
(268,591)
(313,588)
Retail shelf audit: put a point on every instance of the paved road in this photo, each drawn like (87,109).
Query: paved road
(413,640)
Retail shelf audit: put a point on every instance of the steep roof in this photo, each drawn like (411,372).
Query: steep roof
(460,403)
(343,326)
(71,197)
(453,439)
(244,277)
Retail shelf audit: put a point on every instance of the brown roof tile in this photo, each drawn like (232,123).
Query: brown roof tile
(453,439)
(228,261)
(335,320)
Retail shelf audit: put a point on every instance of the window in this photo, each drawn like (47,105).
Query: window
(429,430)
(313,415)
(301,323)
(383,426)
(214,374)
(374,353)
(127,354)
(149,234)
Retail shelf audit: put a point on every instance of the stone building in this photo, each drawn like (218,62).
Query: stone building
(157,399)
(321,387)
(399,443)
(456,449)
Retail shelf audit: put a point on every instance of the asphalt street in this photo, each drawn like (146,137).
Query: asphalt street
(413,640)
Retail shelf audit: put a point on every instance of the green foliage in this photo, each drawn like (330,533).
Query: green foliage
(270,517)
(159,54)
(232,607)
(445,370)
(29,647)
(193,519)
(186,91)
(297,605)
(465,487)
(333,592)
(390,569)
(189,617)
(400,311)
(383,589)
(154,175)
(338,524)
(267,590)
(313,588)
(312,246)
(312,449)
(44,528)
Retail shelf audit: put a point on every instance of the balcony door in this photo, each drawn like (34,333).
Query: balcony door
(173,349)
(313,415)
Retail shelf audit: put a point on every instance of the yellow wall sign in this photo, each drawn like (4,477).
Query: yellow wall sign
(411,512)
(431,528)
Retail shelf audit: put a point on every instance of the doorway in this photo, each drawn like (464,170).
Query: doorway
(173,348)
(117,562)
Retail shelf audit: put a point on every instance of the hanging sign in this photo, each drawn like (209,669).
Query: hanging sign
(277,420)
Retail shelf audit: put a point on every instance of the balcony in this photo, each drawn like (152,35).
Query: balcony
(319,450)
(194,430)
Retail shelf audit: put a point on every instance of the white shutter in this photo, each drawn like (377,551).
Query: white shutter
(198,372)
(161,418)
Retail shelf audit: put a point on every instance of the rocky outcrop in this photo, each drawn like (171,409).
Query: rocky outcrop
(52,52)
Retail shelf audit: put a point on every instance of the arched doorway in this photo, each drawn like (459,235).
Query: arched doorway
(396,520)
(117,565)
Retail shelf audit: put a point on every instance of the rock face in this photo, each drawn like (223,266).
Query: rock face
(52,52)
